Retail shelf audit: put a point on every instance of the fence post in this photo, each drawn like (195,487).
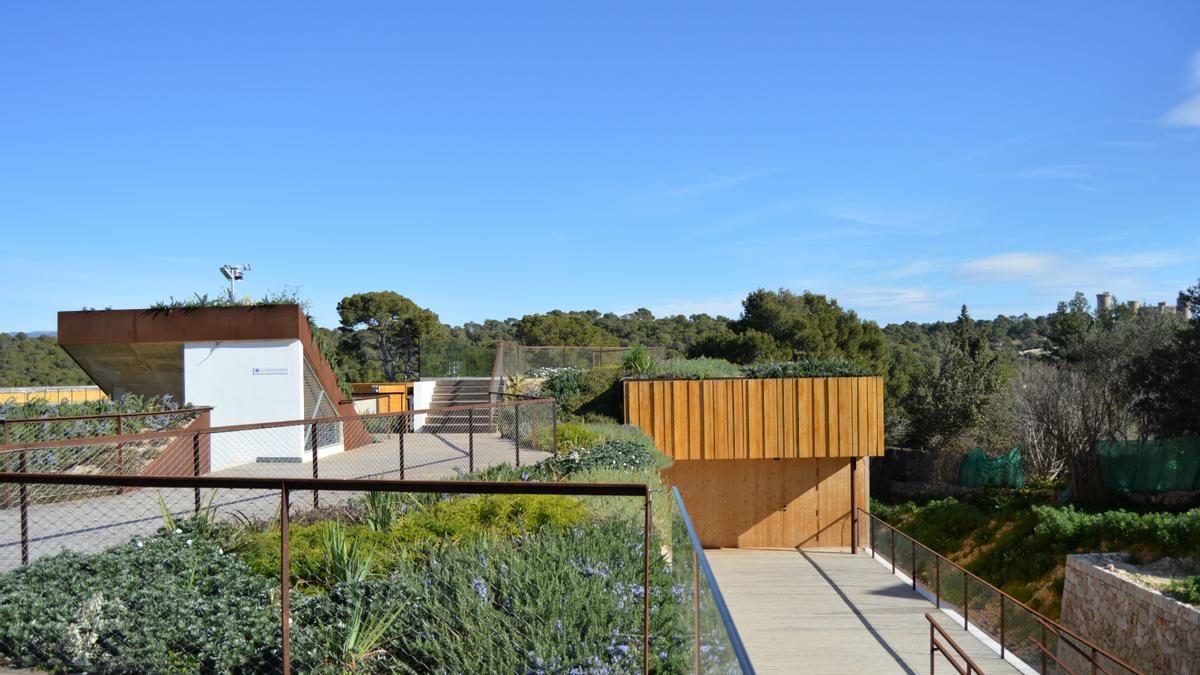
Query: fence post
(23,495)
(937,573)
(893,538)
(646,592)
(853,508)
(196,472)
(316,470)
(1044,648)
(554,427)
(914,562)
(966,605)
(285,581)
(470,440)
(1001,625)
(517,429)
(871,534)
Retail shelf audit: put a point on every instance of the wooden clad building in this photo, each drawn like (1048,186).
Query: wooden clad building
(765,462)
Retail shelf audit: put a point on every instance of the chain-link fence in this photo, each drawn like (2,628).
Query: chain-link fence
(218,574)
(514,360)
(440,443)
(1016,630)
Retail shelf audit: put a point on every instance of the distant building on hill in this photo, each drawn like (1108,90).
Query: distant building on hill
(1105,302)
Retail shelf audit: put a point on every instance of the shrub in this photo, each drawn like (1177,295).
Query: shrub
(569,436)
(563,384)
(562,601)
(808,367)
(698,368)
(324,554)
(1186,590)
(176,601)
(612,454)
(638,361)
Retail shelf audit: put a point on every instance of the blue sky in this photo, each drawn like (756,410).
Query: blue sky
(504,158)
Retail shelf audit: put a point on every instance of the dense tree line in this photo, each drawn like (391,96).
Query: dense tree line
(27,361)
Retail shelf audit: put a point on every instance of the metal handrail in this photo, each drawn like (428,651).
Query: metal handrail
(1059,630)
(739,650)
(936,646)
(151,435)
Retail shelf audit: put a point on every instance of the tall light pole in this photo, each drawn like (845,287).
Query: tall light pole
(234,273)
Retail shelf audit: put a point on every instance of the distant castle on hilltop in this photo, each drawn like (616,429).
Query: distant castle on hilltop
(1105,302)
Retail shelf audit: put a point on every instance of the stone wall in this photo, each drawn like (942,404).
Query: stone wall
(1147,629)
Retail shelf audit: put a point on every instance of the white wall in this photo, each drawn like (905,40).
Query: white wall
(248,382)
(422,400)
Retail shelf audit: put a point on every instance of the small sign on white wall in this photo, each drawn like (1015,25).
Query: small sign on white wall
(262,370)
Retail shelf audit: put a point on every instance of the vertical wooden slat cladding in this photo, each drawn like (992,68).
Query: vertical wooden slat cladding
(770,503)
(789,418)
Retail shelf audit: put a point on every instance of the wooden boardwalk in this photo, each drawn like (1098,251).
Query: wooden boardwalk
(825,611)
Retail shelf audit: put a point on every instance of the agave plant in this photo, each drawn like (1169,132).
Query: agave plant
(639,361)
(345,560)
(380,510)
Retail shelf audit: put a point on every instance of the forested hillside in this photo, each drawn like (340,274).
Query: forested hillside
(36,361)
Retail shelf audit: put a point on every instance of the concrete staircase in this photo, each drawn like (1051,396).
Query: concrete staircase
(456,392)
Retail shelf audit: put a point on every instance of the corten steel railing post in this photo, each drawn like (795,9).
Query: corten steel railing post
(285,582)
(316,471)
(932,649)
(646,592)
(966,605)
(853,509)
(1002,626)
(914,562)
(554,427)
(517,429)
(196,472)
(937,576)
(893,538)
(1044,648)
(871,533)
(470,440)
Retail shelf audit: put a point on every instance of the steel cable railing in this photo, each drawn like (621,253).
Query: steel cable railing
(1017,629)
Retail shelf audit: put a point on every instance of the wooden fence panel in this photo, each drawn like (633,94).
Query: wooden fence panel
(787,418)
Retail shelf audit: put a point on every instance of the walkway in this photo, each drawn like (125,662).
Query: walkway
(92,524)
(826,611)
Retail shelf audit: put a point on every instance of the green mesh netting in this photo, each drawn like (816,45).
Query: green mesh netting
(979,470)
(1161,465)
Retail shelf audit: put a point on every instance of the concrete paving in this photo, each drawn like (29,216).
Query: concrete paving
(827,611)
(97,522)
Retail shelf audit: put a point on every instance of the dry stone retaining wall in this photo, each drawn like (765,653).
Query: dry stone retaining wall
(1147,629)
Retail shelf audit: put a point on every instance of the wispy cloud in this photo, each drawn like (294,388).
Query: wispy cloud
(716,184)
(912,269)
(1187,113)
(1143,274)
(895,300)
(1056,172)
(1011,266)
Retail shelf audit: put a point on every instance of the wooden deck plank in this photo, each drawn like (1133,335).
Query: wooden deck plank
(824,611)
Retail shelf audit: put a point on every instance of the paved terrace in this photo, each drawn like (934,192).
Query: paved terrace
(826,611)
(95,523)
